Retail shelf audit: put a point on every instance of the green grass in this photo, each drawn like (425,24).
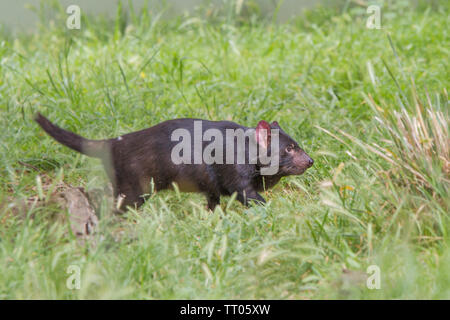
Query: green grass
(377,194)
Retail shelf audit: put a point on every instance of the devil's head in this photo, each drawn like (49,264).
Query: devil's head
(293,160)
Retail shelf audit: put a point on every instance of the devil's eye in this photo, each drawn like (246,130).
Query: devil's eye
(289,148)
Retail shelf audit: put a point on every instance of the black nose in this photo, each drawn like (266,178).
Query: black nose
(310,162)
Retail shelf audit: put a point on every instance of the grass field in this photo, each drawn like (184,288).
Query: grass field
(369,105)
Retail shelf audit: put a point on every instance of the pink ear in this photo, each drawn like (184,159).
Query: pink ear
(275,124)
(262,133)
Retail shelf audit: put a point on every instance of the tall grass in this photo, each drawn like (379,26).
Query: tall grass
(414,142)
(377,193)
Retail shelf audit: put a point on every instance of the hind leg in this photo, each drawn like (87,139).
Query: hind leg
(128,194)
(129,200)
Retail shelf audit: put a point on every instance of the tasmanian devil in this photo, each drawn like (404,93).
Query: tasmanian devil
(213,157)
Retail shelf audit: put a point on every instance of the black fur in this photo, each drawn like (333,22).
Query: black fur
(135,160)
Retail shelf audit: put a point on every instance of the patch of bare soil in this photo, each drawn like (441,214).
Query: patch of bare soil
(65,201)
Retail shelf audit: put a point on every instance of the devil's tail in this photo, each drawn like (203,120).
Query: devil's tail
(92,148)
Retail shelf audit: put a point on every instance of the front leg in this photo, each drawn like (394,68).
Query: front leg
(250,195)
(213,201)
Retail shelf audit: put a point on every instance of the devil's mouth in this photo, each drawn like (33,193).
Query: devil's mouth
(295,170)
